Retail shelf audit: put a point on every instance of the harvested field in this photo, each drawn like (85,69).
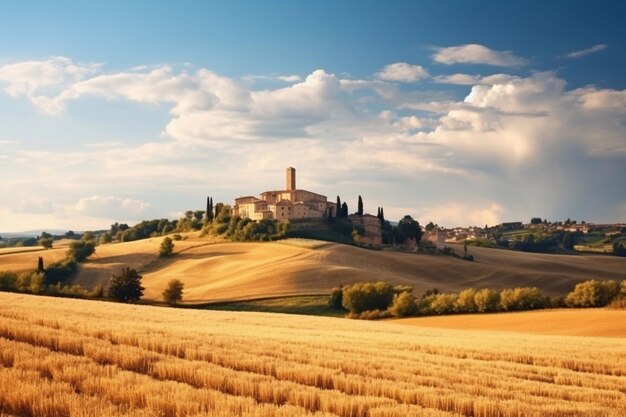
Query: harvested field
(61,357)
(570,322)
(220,271)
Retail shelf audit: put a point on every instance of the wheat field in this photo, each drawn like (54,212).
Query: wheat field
(214,270)
(62,357)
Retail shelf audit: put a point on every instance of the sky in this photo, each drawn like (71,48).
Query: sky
(461,113)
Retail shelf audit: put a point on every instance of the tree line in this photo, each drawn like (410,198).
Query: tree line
(380,299)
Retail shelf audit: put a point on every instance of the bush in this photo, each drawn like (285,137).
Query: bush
(593,293)
(403,305)
(370,315)
(526,298)
(358,298)
(441,303)
(487,300)
(336,298)
(60,271)
(30,282)
(466,302)
(126,286)
(167,248)
(8,281)
(81,250)
(173,294)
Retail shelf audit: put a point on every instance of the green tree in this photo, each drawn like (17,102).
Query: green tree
(126,286)
(336,298)
(403,305)
(173,294)
(466,303)
(344,210)
(106,238)
(45,242)
(410,228)
(81,250)
(40,267)
(167,248)
(338,208)
(358,298)
(429,227)
(486,300)
(360,207)
(593,293)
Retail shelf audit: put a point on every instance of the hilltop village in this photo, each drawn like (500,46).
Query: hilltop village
(291,204)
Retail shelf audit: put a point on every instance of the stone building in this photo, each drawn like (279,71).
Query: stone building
(287,204)
(370,224)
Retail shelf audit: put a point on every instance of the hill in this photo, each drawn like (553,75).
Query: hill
(62,357)
(217,270)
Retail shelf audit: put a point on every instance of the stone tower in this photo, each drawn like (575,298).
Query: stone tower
(291,179)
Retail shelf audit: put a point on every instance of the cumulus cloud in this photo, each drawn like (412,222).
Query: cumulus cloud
(476,54)
(111,207)
(502,151)
(583,52)
(36,79)
(466,79)
(403,72)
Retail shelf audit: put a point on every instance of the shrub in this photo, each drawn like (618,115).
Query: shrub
(167,248)
(173,294)
(403,305)
(466,302)
(442,303)
(358,298)
(126,286)
(60,271)
(30,282)
(336,298)
(487,300)
(8,281)
(370,315)
(526,298)
(593,293)
(177,236)
(81,250)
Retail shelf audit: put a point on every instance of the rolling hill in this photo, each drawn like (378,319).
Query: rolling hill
(214,270)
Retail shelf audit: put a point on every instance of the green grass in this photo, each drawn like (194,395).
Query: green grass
(310,305)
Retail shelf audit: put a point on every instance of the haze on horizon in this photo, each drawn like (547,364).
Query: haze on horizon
(453,112)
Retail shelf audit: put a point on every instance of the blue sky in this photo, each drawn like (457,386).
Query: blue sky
(456,112)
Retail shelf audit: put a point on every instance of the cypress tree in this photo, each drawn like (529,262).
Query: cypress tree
(382,215)
(344,210)
(338,211)
(40,265)
(360,207)
(208,209)
(378,213)
(211,210)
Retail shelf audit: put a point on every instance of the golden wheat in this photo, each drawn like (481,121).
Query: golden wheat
(63,357)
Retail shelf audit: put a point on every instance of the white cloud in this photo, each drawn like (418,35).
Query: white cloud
(36,79)
(403,72)
(503,151)
(293,78)
(476,54)
(583,52)
(111,207)
(466,79)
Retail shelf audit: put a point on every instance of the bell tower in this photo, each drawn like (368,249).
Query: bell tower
(291,179)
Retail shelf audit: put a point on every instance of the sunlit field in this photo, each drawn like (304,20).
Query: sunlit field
(63,357)
(214,270)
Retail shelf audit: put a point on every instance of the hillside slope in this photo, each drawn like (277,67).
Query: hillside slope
(217,270)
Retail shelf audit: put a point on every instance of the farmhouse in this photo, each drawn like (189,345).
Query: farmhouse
(287,204)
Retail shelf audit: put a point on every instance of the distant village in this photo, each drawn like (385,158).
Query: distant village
(293,204)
